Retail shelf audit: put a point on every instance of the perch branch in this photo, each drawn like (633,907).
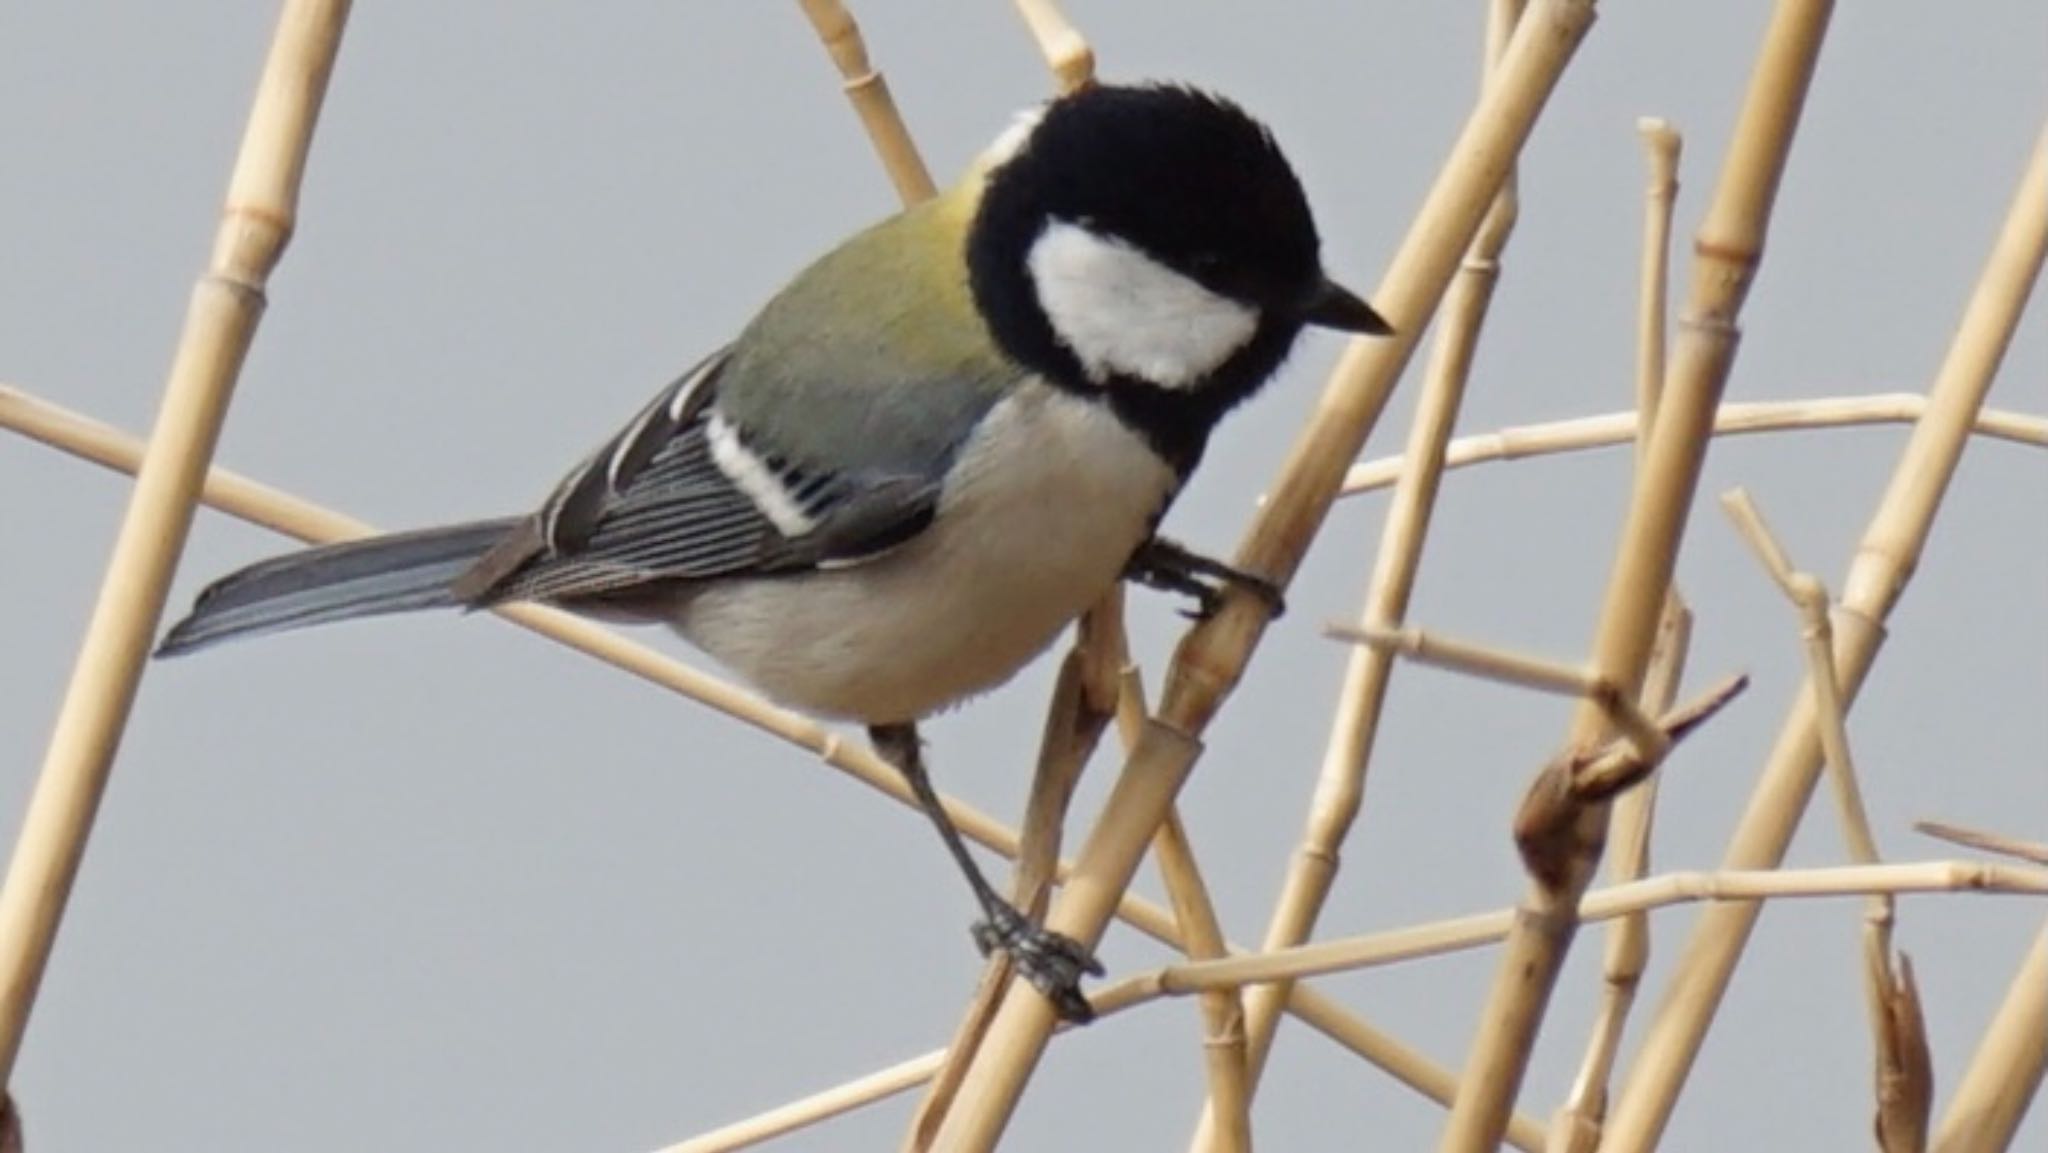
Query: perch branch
(1877,577)
(256,224)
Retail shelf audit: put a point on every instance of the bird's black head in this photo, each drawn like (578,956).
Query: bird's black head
(1153,244)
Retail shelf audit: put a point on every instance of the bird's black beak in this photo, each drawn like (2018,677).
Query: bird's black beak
(1331,305)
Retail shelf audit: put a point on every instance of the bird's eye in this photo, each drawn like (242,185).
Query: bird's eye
(1207,261)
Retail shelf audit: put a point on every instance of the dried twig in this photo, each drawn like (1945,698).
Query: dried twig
(1065,50)
(257,221)
(1575,1127)
(868,92)
(1416,942)
(1340,788)
(1726,255)
(1904,1067)
(1526,442)
(1726,887)
(2006,1070)
(1877,577)
(2034,851)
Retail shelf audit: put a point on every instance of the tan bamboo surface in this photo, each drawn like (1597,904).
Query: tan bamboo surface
(1662,146)
(1989,842)
(1412,943)
(260,213)
(2005,1071)
(1905,1067)
(1340,787)
(1066,51)
(1739,418)
(1575,1127)
(868,91)
(1726,254)
(1731,887)
(1877,578)
(1214,654)
(259,504)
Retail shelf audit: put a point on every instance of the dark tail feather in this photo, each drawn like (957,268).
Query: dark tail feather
(398,573)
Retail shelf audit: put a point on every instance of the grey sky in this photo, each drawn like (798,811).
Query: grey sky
(435,884)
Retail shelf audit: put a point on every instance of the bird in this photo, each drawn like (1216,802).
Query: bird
(926,455)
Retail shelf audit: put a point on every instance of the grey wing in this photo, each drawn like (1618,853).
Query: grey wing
(682,494)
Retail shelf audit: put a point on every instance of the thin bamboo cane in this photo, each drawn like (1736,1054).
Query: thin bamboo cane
(1214,654)
(1340,787)
(1877,579)
(257,221)
(1723,888)
(1224,1045)
(1438,938)
(1084,699)
(1575,1127)
(1065,50)
(1727,252)
(805,1112)
(1526,442)
(1905,1077)
(2036,852)
(868,91)
(2005,1072)
(1661,147)
(258,504)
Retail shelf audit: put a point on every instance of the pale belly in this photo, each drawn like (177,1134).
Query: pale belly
(1040,517)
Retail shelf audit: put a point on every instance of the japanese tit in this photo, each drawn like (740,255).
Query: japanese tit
(926,455)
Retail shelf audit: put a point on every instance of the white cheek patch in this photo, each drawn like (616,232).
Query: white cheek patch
(1120,312)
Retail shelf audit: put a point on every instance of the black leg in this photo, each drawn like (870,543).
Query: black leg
(1168,565)
(1053,962)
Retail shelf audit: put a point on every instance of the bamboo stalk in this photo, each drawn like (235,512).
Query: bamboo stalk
(1729,888)
(258,504)
(257,221)
(1225,1046)
(1473,660)
(1086,695)
(1877,578)
(1527,442)
(2005,1072)
(1661,146)
(1438,938)
(1729,247)
(868,91)
(1631,823)
(1066,51)
(819,1107)
(1213,656)
(2034,851)
(1339,792)
(1576,1125)
(1905,1076)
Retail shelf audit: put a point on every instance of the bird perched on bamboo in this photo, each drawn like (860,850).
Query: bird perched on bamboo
(926,455)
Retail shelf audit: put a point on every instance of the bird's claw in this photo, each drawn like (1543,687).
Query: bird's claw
(1168,565)
(1208,595)
(1054,963)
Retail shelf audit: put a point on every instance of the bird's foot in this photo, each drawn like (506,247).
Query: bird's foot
(1173,567)
(1054,963)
